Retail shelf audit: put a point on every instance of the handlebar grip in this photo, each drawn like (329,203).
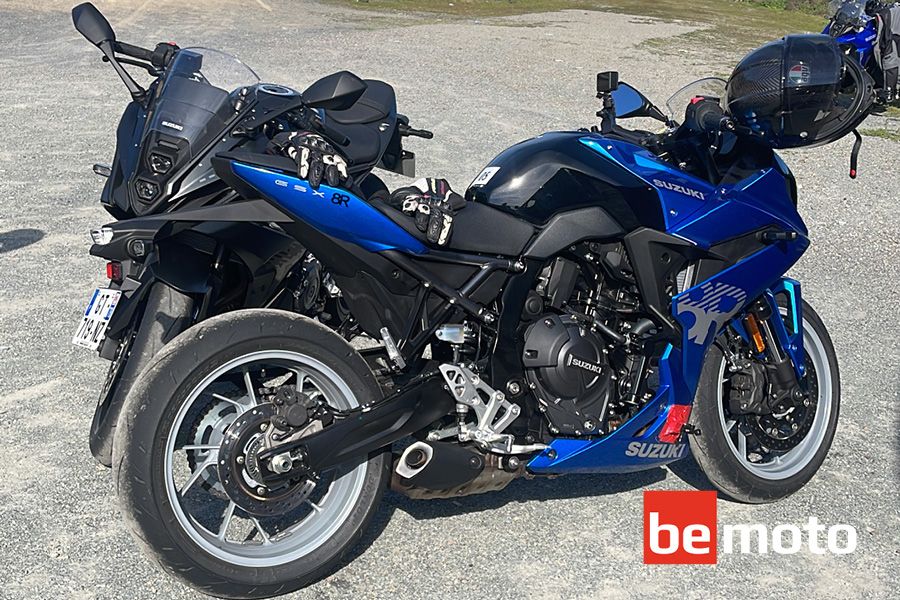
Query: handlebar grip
(134,51)
(709,117)
(422,133)
(405,131)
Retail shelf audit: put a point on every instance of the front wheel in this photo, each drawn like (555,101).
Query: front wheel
(187,446)
(165,314)
(762,458)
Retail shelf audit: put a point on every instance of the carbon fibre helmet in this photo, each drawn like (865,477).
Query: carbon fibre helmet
(801,90)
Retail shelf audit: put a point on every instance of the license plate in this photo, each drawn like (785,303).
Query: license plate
(96,318)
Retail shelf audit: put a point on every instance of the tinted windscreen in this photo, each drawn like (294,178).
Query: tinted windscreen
(196,100)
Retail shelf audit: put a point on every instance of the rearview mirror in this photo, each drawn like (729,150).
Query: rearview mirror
(631,103)
(92,24)
(338,91)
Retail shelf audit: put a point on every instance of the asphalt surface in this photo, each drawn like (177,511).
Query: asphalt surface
(480,86)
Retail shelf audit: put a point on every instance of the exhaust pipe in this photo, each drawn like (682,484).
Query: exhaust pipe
(438,465)
(429,470)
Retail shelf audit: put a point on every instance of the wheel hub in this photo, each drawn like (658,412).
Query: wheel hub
(790,420)
(240,470)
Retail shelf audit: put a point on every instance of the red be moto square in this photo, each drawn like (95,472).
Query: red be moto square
(679,528)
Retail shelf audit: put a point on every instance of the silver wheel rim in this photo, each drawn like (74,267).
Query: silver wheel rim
(325,512)
(794,460)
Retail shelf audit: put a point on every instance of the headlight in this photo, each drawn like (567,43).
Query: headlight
(102,235)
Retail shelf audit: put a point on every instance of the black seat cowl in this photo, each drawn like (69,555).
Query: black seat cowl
(376,103)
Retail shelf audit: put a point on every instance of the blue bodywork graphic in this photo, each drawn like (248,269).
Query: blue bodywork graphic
(333,211)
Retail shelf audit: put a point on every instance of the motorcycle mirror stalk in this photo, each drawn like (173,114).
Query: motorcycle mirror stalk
(91,23)
(607,83)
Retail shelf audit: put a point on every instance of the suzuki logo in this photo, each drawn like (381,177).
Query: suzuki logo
(680,189)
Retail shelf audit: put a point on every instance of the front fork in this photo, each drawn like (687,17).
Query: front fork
(775,332)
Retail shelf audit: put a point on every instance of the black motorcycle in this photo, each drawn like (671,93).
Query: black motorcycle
(183,249)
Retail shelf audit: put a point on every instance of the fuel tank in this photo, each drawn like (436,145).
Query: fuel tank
(557,172)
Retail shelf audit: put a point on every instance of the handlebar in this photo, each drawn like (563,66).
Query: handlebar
(133,51)
(159,57)
(708,116)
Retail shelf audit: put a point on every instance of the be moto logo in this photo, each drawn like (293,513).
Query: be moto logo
(680,528)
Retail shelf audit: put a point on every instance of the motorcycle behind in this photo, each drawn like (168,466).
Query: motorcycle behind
(855,26)
(184,248)
(609,300)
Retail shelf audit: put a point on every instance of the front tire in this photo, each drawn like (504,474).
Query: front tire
(220,549)
(722,450)
(165,314)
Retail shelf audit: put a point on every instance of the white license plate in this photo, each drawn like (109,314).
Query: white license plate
(96,318)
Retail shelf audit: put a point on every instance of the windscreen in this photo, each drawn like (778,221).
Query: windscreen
(198,95)
(845,12)
(708,87)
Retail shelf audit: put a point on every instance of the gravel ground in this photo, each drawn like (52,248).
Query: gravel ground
(480,86)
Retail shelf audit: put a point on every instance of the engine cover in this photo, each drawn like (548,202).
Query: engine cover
(568,373)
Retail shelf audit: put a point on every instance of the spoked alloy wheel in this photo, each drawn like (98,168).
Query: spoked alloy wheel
(188,469)
(764,457)
(215,513)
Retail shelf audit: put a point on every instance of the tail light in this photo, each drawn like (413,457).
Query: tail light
(114,271)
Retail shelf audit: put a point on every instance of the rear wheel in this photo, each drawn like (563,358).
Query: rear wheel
(765,457)
(188,474)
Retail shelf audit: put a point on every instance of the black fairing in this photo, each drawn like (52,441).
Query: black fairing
(552,173)
(128,137)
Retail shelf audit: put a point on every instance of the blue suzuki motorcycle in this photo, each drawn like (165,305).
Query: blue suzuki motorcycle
(610,300)
(855,27)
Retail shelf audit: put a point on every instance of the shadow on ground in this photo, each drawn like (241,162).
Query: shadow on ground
(19,238)
(541,489)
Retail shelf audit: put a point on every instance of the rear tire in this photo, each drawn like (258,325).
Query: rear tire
(166,313)
(717,454)
(155,507)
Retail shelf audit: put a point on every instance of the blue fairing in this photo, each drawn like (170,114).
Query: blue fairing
(703,310)
(667,180)
(863,41)
(333,211)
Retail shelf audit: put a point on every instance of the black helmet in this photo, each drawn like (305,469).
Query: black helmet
(799,91)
